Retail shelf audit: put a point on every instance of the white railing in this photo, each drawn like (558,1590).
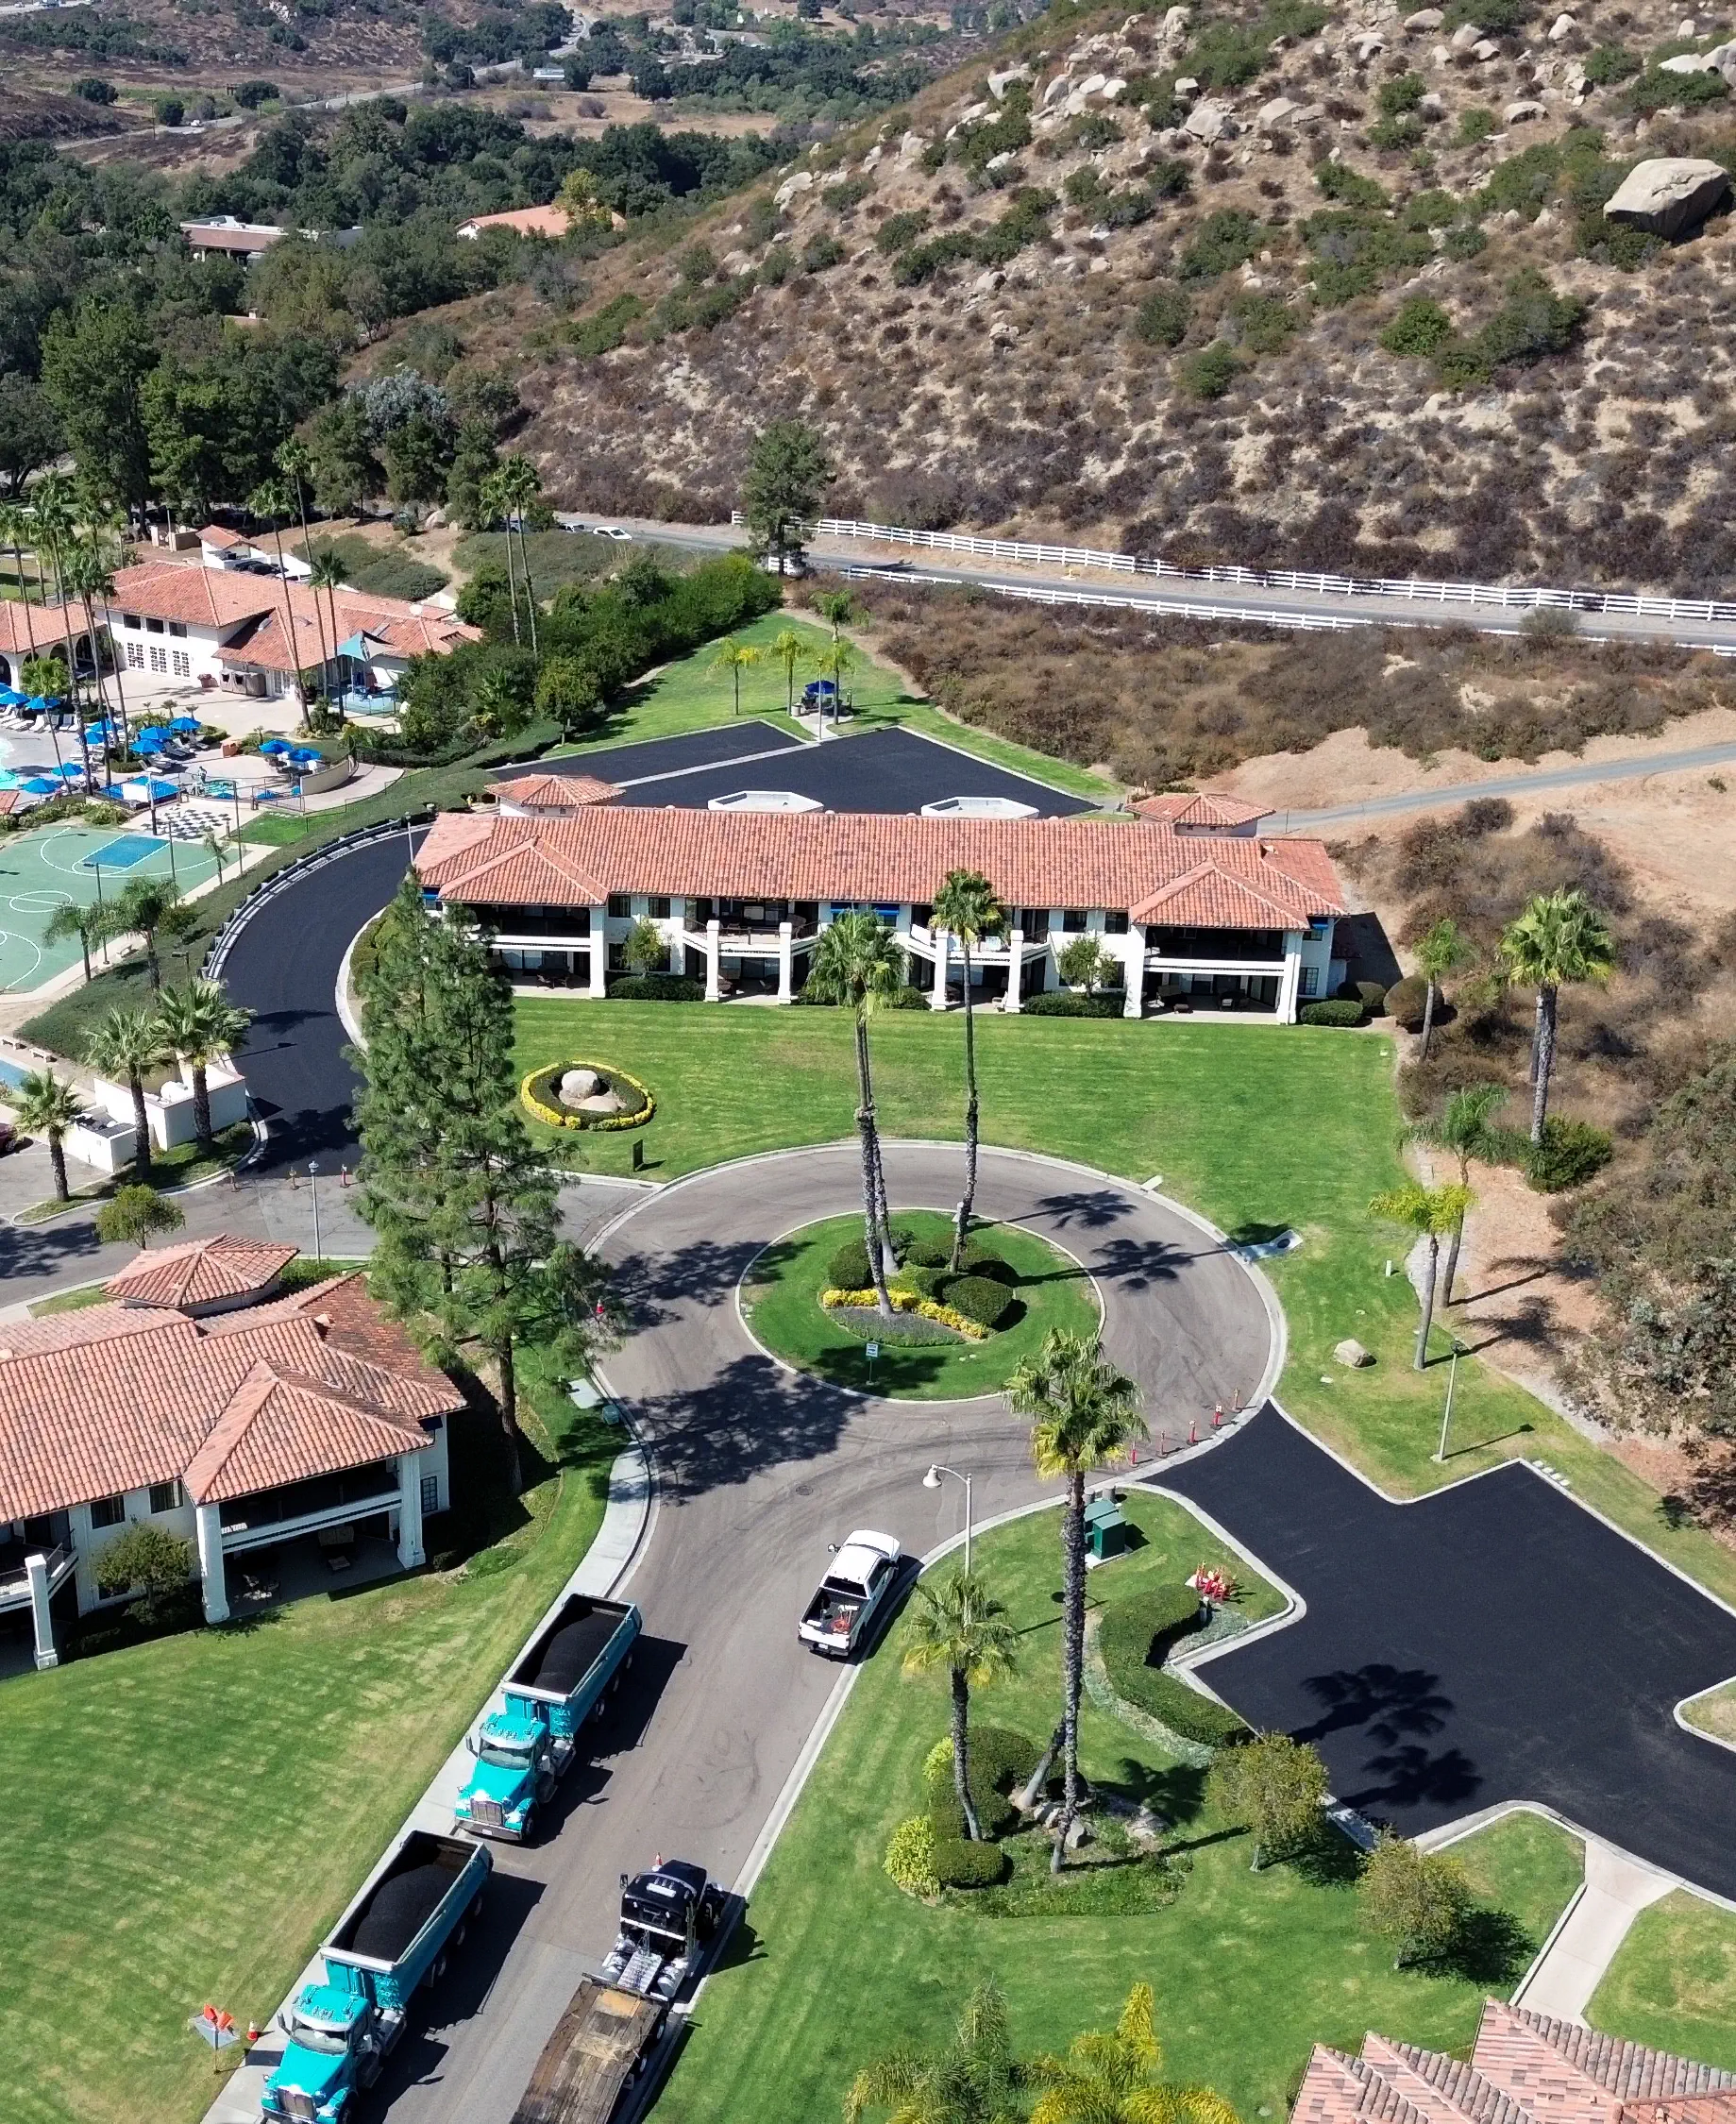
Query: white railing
(1508,597)
(1175,608)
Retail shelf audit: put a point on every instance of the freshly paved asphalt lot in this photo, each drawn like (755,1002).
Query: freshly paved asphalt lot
(757,1472)
(1493,1642)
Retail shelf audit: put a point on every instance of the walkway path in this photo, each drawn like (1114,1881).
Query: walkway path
(1599,1918)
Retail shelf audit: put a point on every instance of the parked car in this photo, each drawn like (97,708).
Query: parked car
(852,1594)
(609,531)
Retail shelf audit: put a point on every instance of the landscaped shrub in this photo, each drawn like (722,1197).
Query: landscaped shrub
(910,1857)
(656,988)
(1571,1153)
(905,998)
(1184,1710)
(1137,1634)
(1062,1002)
(1333,1013)
(1372,995)
(1000,1758)
(978,1298)
(976,1260)
(993,1768)
(1161,319)
(959,1863)
(848,1267)
(1407,1000)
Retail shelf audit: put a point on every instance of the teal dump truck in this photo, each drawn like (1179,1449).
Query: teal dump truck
(395,1937)
(566,1676)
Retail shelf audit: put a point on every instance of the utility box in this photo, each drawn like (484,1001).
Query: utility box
(1105,1529)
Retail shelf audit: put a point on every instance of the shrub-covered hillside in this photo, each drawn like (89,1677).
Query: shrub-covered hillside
(1316,285)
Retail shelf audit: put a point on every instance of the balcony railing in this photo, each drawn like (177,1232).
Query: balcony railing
(355,1494)
(15,1579)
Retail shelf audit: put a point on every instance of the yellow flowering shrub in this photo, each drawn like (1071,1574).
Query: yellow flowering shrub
(906,1301)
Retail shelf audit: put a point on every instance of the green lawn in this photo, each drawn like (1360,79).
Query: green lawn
(278,829)
(1715,1713)
(1249,1969)
(1258,1126)
(188,1817)
(781,1301)
(1673,1982)
(184,1166)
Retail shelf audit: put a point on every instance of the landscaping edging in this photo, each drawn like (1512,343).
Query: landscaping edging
(1101,1692)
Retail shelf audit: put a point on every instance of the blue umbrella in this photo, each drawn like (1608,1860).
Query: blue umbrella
(69,772)
(152,740)
(184,723)
(275,745)
(12,697)
(303,757)
(150,786)
(40,786)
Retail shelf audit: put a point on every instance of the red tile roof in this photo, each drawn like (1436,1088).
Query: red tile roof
(27,629)
(1200,808)
(201,1272)
(218,599)
(222,539)
(116,1397)
(555,792)
(1150,871)
(524,221)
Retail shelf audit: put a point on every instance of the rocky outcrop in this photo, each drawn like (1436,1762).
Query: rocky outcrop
(1668,194)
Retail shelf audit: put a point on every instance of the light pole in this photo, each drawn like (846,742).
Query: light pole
(314,1191)
(932,1481)
(1460,1349)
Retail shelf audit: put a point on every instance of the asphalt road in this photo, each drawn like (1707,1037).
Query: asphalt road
(1199,600)
(1493,1642)
(757,1472)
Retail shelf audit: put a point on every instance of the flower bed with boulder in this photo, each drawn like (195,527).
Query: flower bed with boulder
(587,1095)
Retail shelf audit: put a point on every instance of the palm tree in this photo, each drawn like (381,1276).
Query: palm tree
(976,2082)
(296,461)
(520,486)
(212,845)
(959,1625)
(841,660)
(791,650)
(1111,2076)
(857,961)
(125,1046)
(1462,1127)
(734,657)
(271,500)
(967,907)
(150,908)
(1084,1413)
(89,574)
(47,678)
(55,514)
(1441,952)
(14,533)
(87,924)
(47,1105)
(327,574)
(1431,1212)
(1560,938)
(198,1023)
(496,502)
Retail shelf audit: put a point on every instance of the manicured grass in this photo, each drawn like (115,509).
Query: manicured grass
(187,1817)
(1715,1713)
(1258,1126)
(1673,1982)
(780,1298)
(280,829)
(184,1166)
(833,1965)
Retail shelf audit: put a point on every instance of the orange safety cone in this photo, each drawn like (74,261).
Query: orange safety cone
(1193,1432)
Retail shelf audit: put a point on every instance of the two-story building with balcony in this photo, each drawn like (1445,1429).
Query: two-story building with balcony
(1193,912)
(202,1397)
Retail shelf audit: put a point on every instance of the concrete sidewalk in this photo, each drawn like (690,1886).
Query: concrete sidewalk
(623,1521)
(1578,1954)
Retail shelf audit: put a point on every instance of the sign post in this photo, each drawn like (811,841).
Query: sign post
(212,2025)
(874,1350)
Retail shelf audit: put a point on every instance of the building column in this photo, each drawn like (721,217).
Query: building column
(1135,964)
(599,950)
(937,994)
(1290,982)
(713,960)
(36,1572)
(211,1564)
(1014,999)
(411,1554)
(785,962)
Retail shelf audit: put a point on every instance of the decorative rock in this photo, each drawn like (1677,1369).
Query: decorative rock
(1518,114)
(576,1085)
(1351,1352)
(1208,122)
(604,1102)
(1000,83)
(1424,18)
(1667,194)
(1279,111)
(1563,25)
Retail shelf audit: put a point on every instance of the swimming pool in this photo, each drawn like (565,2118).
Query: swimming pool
(12,1073)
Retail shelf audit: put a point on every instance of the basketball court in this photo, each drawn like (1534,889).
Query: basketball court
(70,865)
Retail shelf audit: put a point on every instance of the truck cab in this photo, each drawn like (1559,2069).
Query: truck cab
(667,1914)
(332,2049)
(516,1771)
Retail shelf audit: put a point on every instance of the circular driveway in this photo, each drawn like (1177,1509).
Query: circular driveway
(757,1469)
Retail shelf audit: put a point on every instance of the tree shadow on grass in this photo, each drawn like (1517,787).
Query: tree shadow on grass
(1329,1860)
(1491,1950)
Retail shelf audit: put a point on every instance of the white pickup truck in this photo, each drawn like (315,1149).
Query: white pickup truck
(859,1580)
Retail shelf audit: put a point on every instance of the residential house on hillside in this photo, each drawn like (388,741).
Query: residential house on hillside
(549,222)
(249,633)
(1525,2068)
(202,1398)
(1222,921)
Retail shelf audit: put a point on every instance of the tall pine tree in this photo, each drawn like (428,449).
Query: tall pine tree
(465,1208)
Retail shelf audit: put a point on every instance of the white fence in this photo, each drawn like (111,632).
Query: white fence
(1706,610)
(1172,608)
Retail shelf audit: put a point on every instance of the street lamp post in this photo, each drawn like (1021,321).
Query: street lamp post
(932,1481)
(314,1191)
(1446,1414)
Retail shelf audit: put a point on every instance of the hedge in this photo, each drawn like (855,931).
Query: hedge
(999,1760)
(959,1863)
(976,1260)
(978,1298)
(910,1857)
(548,1079)
(1407,1000)
(1135,1638)
(656,988)
(1332,1012)
(1064,1003)
(1571,1153)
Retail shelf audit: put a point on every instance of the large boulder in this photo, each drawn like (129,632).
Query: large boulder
(576,1085)
(1668,194)
(1208,122)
